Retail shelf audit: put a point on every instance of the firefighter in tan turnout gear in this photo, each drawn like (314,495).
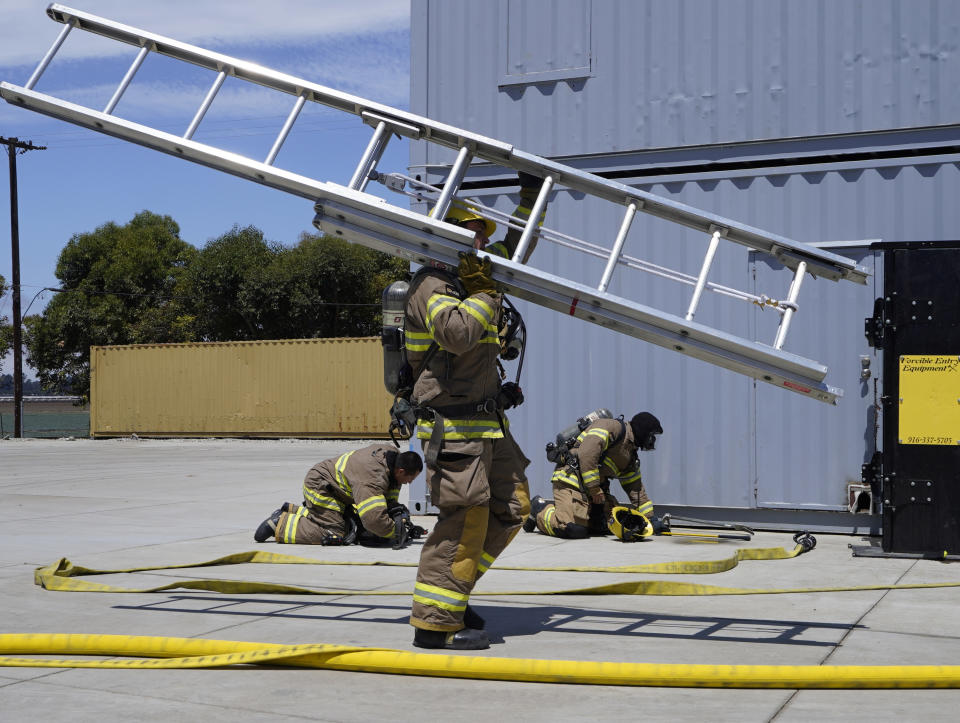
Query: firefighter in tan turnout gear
(475,469)
(582,502)
(364,483)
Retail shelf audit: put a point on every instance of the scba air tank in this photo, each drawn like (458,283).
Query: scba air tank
(573,431)
(558,452)
(391,336)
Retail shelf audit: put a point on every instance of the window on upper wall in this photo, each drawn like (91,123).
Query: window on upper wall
(545,41)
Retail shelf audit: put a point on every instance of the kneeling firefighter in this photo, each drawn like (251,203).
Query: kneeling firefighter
(347,495)
(456,327)
(588,456)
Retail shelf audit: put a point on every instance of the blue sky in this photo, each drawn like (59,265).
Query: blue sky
(85,179)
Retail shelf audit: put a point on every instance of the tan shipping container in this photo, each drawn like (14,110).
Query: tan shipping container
(286,388)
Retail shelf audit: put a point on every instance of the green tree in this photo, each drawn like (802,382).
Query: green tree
(227,281)
(245,287)
(120,285)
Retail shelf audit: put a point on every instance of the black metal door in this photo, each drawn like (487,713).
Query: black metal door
(918,322)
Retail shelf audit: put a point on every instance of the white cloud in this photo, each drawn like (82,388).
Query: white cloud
(26,32)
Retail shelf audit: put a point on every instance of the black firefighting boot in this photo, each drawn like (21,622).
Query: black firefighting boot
(536,505)
(472,620)
(466,639)
(268,527)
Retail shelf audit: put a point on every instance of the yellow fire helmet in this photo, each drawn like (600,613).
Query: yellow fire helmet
(628,525)
(459,214)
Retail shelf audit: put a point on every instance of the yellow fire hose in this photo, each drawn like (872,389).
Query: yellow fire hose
(154,653)
(190,653)
(62,576)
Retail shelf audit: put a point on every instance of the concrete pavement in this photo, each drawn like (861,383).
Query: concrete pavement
(125,503)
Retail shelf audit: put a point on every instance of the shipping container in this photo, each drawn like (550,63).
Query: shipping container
(324,388)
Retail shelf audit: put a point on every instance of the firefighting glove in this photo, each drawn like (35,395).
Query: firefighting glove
(510,395)
(657,523)
(403,418)
(476,274)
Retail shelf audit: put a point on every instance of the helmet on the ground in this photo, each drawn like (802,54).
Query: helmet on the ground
(461,214)
(628,525)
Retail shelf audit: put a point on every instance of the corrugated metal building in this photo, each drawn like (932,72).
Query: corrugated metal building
(821,121)
(284,388)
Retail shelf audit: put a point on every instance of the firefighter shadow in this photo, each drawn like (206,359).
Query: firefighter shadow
(509,621)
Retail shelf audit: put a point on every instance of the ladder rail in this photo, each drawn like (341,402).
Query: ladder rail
(349,212)
(419,238)
(787,251)
(394,230)
(397,181)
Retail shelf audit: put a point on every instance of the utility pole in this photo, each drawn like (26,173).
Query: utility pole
(13,146)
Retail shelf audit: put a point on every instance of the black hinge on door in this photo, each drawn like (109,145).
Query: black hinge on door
(871,473)
(874,327)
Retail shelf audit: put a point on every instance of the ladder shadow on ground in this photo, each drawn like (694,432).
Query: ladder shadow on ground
(509,621)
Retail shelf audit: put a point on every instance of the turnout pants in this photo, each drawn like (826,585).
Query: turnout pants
(480,488)
(309,525)
(319,516)
(572,507)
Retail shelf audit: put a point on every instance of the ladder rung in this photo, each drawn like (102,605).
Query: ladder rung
(371,156)
(421,240)
(452,185)
(285,131)
(42,66)
(125,83)
(790,253)
(617,249)
(205,106)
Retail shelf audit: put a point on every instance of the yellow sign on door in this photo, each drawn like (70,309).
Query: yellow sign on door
(929,399)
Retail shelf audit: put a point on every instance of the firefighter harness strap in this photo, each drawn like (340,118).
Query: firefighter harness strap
(62,576)
(350,212)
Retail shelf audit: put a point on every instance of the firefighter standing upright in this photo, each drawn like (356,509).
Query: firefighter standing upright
(474,468)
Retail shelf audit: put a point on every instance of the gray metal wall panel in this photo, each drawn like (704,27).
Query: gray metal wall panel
(686,72)
(725,438)
(788,68)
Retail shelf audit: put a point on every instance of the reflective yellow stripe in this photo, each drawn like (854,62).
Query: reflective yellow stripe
(590,477)
(499,248)
(371,503)
(393,495)
(565,478)
(646,509)
(631,477)
(603,434)
(435,305)
(486,560)
(610,465)
(439,597)
(418,341)
(524,212)
(321,500)
(479,309)
(342,480)
(463,428)
(290,529)
(548,521)
(476,308)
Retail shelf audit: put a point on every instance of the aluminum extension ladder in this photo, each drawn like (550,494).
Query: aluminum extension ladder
(349,212)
